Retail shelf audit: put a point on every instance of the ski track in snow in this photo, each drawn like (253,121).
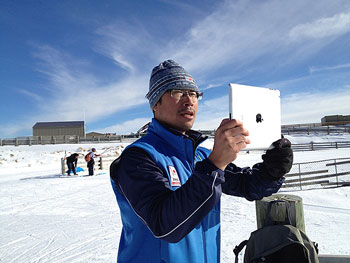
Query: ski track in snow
(48,218)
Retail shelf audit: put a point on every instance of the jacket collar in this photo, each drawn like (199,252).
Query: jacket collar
(195,136)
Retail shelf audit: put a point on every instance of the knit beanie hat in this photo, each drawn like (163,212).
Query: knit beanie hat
(166,76)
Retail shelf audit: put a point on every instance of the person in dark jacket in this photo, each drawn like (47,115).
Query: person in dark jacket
(72,161)
(168,187)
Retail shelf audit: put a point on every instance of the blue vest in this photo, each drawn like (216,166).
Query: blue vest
(137,243)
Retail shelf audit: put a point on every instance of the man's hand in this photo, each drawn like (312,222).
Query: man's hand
(278,159)
(229,139)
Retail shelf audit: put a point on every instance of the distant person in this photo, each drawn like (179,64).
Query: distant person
(168,187)
(90,158)
(72,161)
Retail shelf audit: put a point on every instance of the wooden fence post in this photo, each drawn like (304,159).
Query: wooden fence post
(101,165)
(63,170)
(278,210)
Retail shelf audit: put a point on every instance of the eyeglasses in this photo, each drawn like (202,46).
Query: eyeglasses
(178,94)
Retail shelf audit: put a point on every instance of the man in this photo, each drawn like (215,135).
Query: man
(168,188)
(91,161)
(72,161)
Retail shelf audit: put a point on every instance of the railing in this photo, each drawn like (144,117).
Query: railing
(288,130)
(323,173)
(66,139)
(314,146)
(333,259)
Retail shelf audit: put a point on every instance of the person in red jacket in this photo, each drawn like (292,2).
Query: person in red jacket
(91,161)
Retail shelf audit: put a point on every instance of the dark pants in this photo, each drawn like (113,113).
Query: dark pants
(90,165)
(71,168)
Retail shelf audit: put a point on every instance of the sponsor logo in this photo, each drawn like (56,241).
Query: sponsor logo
(174,177)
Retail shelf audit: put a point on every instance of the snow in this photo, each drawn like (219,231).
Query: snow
(48,218)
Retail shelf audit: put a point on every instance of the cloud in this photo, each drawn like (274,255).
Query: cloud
(126,127)
(30,94)
(236,40)
(333,26)
(128,43)
(74,89)
(241,35)
(211,112)
(314,69)
(311,107)
(11,129)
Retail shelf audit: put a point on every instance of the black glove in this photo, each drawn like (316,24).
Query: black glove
(278,159)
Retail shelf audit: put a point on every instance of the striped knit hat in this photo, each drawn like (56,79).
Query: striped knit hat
(166,76)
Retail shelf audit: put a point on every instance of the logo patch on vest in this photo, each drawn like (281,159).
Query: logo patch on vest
(174,178)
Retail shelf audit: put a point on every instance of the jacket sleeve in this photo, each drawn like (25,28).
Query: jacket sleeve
(170,215)
(249,183)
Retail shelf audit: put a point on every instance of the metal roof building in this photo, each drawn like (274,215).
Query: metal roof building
(335,120)
(59,128)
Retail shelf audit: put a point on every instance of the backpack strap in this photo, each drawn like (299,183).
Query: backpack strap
(291,215)
(238,249)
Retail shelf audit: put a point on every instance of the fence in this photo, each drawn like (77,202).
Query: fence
(296,129)
(302,176)
(315,146)
(102,163)
(66,139)
(324,173)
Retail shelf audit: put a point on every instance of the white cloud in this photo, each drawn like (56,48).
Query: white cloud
(30,94)
(127,126)
(211,112)
(311,107)
(314,69)
(75,90)
(14,128)
(239,33)
(234,36)
(333,26)
(127,44)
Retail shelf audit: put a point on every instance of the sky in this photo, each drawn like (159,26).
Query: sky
(91,60)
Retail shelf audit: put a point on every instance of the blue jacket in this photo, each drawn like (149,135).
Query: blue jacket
(169,194)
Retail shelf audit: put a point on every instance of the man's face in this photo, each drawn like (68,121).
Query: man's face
(177,113)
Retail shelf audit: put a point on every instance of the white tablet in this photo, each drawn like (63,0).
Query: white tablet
(260,111)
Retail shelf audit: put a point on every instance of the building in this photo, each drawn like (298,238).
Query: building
(335,120)
(95,134)
(59,128)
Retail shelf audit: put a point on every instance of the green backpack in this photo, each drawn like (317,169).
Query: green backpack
(276,242)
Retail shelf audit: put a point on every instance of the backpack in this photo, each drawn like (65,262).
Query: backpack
(88,157)
(276,242)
